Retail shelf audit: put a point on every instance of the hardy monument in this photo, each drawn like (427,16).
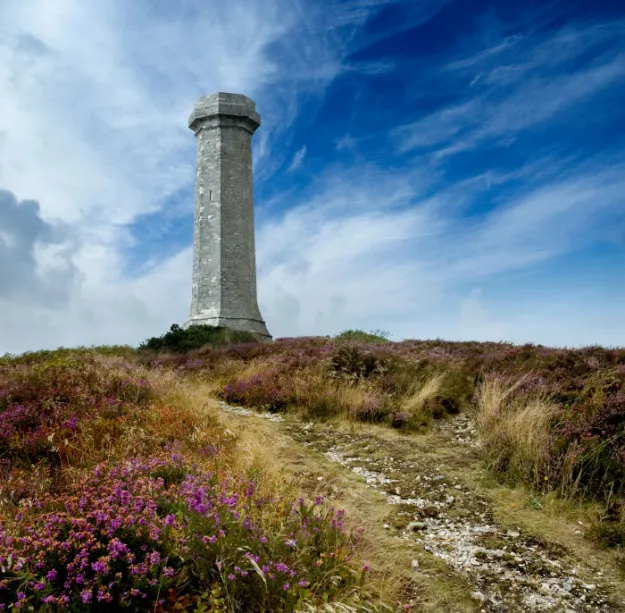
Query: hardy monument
(224,259)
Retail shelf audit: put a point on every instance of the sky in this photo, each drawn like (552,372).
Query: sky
(432,168)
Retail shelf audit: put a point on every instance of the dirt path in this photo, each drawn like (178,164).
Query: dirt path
(425,495)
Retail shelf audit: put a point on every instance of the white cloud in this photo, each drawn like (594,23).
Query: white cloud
(93,126)
(400,267)
(297,159)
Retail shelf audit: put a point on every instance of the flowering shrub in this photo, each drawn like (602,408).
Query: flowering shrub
(400,419)
(155,530)
(43,405)
(590,438)
(267,390)
(371,410)
(575,447)
(152,533)
(354,362)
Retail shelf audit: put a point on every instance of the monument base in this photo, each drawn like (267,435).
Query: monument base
(242,324)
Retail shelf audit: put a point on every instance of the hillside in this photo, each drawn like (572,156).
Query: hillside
(313,474)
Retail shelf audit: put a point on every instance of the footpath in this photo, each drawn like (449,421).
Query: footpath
(455,540)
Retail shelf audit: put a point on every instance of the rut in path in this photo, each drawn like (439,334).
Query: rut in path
(434,509)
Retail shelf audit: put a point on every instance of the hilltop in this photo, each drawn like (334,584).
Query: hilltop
(205,471)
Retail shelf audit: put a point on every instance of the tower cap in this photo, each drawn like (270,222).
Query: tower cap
(221,103)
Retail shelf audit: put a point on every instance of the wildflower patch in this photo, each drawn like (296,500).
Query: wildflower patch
(135,534)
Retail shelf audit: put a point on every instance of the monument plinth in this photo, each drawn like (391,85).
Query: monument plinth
(224,258)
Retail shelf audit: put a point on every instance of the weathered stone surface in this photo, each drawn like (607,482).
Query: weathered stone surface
(224,260)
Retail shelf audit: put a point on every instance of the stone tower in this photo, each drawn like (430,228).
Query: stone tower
(224,260)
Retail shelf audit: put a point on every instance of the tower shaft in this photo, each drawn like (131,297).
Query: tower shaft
(224,261)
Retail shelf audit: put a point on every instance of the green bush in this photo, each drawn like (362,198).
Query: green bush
(351,362)
(180,340)
(375,336)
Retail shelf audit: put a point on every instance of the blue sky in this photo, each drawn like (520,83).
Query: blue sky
(435,168)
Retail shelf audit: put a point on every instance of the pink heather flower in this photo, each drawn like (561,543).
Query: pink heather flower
(263,540)
(231,577)
(286,587)
(104,595)
(154,558)
(99,567)
(51,576)
(168,572)
(303,583)
(86,596)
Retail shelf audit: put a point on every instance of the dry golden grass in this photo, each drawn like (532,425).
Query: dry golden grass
(422,392)
(418,401)
(183,413)
(515,431)
(316,396)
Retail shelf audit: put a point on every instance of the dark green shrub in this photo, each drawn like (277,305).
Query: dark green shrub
(353,362)
(181,340)
(375,336)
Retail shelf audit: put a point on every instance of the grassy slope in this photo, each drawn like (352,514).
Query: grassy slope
(70,421)
(399,385)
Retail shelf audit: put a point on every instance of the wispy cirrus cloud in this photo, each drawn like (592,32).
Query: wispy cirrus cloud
(298,158)
(508,95)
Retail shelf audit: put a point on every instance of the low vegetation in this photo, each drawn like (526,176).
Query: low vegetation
(552,419)
(562,438)
(181,340)
(375,336)
(118,490)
